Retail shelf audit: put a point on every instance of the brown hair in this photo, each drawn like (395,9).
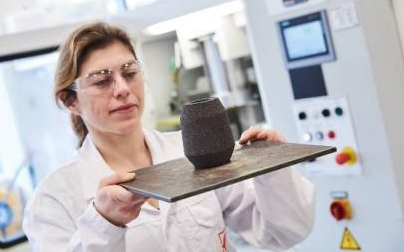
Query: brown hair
(73,53)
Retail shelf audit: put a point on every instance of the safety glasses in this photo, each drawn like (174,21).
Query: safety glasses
(103,81)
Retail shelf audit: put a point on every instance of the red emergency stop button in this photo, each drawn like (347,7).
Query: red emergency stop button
(346,156)
(338,210)
(341,209)
(342,158)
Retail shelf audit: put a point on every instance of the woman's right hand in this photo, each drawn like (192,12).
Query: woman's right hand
(116,204)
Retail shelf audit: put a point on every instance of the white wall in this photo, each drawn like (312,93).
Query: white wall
(398,6)
(9,6)
(156,56)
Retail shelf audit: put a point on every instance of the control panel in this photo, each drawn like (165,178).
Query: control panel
(350,101)
(327,121)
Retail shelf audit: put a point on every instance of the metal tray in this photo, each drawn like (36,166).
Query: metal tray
(178,179)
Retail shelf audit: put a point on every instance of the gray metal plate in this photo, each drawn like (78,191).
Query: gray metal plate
(178,179)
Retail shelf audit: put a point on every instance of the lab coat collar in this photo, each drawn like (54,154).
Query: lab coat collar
(94,167)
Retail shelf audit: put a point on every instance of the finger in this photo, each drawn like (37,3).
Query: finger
(279,137)
(116,179)
(130,212)
(132,197)
(271,135)
(268,135)
(264,135)
(128,197)
(249,134)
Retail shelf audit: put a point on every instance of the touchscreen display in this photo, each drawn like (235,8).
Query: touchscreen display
(305,40)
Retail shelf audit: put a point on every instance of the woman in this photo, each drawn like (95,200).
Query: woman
(80,207)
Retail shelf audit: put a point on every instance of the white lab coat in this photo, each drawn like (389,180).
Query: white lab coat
(274,210)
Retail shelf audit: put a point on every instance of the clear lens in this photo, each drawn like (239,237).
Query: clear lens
(98,83)
(103,81)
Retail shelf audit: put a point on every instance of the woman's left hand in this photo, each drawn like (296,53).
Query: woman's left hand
(254,133)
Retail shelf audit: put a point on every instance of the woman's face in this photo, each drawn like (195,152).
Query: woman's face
(117,110)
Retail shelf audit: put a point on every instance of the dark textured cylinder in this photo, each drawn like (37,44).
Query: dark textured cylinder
(206,133)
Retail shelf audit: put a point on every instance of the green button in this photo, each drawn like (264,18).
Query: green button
(339,111)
